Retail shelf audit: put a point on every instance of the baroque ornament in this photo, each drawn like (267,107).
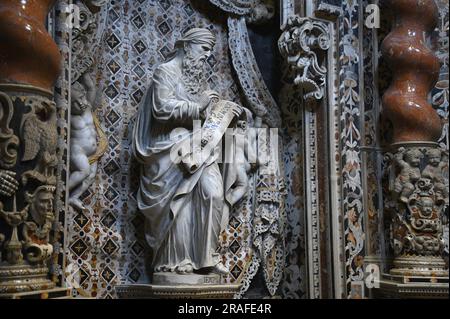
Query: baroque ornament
(419,190)
(28,140)
(304,42)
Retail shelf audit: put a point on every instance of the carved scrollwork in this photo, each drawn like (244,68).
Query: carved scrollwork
(9,142)
(419,187)
(303,43)
(83,41)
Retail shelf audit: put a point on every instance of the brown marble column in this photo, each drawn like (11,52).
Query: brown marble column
(417,185)
(29,67)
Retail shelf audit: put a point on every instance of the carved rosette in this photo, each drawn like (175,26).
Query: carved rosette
(418,170)
(30,65)
(304,42)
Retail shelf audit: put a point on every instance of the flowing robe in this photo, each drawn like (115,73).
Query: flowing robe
(183,211)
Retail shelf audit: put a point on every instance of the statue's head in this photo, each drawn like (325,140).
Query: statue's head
(426,204)
(413,157)
(434,156)
(197,45)
(41,203)
(79,99)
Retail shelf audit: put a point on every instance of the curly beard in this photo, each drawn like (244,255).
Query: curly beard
(193,74)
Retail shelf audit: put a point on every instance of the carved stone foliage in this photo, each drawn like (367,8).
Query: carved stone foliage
(83,37)
(418,182)
(304,42)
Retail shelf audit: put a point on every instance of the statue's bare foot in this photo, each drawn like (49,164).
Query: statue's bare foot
(76,203)
(185,269)
(220,269)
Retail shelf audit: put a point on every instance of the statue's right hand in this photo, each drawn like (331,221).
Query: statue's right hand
(213,96)
(207,98)
(8,183)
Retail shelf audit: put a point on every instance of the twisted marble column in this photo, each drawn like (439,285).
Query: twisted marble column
(29,67)
(418,187)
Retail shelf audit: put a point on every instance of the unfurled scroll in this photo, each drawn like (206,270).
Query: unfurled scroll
(209,136)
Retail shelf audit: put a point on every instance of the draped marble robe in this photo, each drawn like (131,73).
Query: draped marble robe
(184,212)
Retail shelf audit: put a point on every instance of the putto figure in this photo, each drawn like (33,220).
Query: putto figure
(409,162)
(183,205)
(83,139)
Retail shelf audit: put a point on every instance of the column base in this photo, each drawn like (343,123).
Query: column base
(23,278)
(412,287)
(146,291)
(426,266)
(55,293)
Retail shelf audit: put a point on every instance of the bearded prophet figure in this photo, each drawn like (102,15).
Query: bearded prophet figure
(184,210)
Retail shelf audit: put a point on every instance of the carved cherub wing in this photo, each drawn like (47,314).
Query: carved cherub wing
(31,133)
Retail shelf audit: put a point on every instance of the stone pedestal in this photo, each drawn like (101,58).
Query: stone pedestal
(147,291)
(412,287)
(55,293)
(179,286)
(170,279)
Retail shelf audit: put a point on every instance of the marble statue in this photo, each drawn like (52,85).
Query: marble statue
(83,139)
(185,202)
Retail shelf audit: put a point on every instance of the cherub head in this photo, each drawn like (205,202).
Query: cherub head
(434,156)
(413,157)
(426,205)
(78,95)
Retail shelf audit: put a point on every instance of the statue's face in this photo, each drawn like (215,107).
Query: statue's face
(79,100)
(42,206)
(199,52)
(413,158)
(434,159)
(427,206)
(44,203)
